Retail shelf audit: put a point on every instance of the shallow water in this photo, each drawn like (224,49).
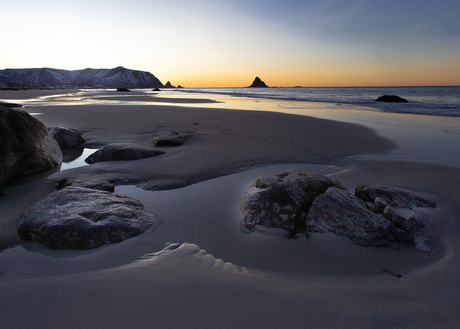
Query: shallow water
(207,214)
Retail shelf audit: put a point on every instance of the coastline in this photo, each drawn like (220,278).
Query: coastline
(208,292)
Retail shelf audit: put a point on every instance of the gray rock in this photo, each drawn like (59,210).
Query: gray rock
(341,213)
(66,138)
(122,152)
(82,218)
(298,201)
(395,197)
(26,145)
(282,199)
(169,138)
(92,182)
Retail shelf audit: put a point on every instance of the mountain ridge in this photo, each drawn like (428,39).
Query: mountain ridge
(50,77)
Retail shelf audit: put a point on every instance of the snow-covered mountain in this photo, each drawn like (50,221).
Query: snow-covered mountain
(117,77)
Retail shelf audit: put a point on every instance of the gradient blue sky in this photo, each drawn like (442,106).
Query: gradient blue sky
(205,43)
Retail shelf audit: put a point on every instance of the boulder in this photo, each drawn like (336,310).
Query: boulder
(257,83)
(82,218)
(26,145)
(341,213)
(66,138)
(123,89)
(391,99)
(299,201)
(122,152)
(282,199)
(92,182)
(170,138)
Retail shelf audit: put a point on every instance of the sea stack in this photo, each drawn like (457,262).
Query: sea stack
(258,83)
(169,85)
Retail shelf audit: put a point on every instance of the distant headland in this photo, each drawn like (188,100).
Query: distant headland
(48,78)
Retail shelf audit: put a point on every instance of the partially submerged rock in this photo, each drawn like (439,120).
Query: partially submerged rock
(123,89)
(170,138)
(122,152)
(299,201)
(82,218)
(66,138)
(391,99)
(26,145)
(340,213)
(282,199)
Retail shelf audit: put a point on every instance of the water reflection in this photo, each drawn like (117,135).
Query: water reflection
(75,157)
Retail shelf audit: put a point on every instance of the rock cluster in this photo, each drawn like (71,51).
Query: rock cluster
(66,138)
(26,145)
(300,201)
(83,218)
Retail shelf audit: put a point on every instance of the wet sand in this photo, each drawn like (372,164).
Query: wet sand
(331,285)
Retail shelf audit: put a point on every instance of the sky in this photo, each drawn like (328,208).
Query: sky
(216,43)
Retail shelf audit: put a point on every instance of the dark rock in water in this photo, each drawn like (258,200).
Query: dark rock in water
(66,138)
(282,199)
(339,212)
(82,218)
(299,201)
(156,89)
(169,138)
(257,83)
(179,86)
(169,85)
(122,152)
(92,182)
(26,145)
(123,89)
(10,105)
(391,99)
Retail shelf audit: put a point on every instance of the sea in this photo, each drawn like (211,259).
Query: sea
(438,100)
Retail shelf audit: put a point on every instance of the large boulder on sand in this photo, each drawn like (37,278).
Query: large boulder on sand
(299,201)
(66,138)
(122,152)
(340,213)
(26,145)
(83,218)
(282,199)
(170,138)
(92,182)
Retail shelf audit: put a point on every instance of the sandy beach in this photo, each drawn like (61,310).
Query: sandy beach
(219,276)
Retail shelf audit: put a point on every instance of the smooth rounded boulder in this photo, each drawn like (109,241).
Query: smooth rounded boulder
(122,152)
(83,218)
(66,138)
(26,146)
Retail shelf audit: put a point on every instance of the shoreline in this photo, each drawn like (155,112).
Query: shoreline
(187,280)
